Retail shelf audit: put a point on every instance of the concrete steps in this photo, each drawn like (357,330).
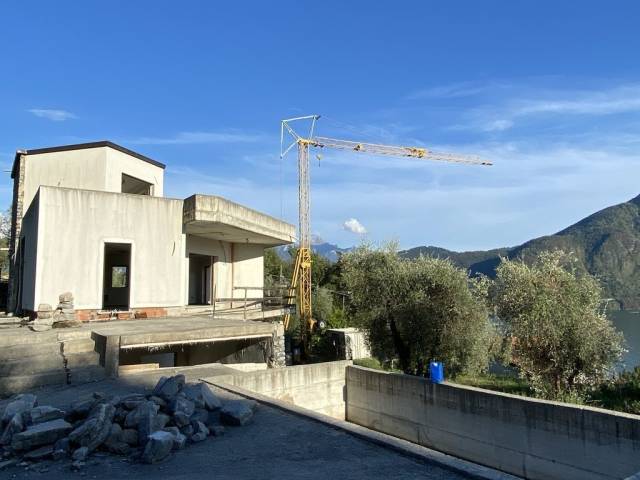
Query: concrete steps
(56,357)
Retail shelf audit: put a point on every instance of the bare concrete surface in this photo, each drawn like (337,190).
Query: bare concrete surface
(276,444)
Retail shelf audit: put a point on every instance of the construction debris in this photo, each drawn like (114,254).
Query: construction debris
(146,428)
(64,316)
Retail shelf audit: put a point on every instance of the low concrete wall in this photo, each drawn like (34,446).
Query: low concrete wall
(318,387)
(531,438)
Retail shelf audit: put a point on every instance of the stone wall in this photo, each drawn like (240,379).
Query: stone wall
(530,438)
(318,387)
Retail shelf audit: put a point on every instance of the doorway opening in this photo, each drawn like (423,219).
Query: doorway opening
(200,279)
(117,273)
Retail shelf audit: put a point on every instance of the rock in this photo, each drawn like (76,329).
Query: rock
(15,425)
(144,409)
(39,453)
(82,407)
(115,435)
(81,454)
(212,419)
(130,402)
(130,436)
(158,447)
(198,437)
(237,412)
(121,415)
(37,326)
(157,400)
(45,414)
(199,427)
(44,315)
(20,404)
(77,465)
(161,420)
(145,419)
(216,430)
(187,430)
(63,444)
(202,396)
(59,454)
(96,429)
(40,434)
(200,415)
(181,404)
(179,441)
(167,388)
(66,297)
(44,307)
(8,463)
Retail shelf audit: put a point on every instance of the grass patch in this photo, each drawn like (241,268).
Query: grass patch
(498,383)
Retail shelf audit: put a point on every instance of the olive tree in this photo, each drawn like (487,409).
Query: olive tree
(561,340)
(418,310)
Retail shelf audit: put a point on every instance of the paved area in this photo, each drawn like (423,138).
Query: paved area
(276,444)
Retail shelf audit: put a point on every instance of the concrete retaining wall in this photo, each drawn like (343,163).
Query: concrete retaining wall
(531,438)
(318,387)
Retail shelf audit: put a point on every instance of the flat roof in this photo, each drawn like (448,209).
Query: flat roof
(83,146)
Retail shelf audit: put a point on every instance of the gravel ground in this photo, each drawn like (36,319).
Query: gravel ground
(276,444)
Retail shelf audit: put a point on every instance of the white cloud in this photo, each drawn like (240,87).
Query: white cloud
(354,226)
(184,138)
(53,115)
(498,125)
(453,90)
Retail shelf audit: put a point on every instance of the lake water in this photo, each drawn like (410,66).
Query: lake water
(629,324)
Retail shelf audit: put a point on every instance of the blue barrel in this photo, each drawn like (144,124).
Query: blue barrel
(436,370)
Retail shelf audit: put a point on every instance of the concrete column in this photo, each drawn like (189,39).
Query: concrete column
(112,355)
(277,356)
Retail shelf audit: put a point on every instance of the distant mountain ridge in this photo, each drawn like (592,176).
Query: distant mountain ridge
(327,250)
(606,243)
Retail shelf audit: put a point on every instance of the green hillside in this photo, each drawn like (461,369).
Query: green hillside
(606,243)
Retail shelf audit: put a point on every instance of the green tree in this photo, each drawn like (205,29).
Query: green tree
(418,310)
(552,313)
(322,302)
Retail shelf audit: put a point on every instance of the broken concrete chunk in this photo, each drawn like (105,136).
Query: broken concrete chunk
(167,388)
(44,307)
(66,297)
(237,412)
(216,430)
(40,434)
(39,453)
(158,447)
(144,409)
(202,396)
(130,436)
(21,404)
(45,414)
(179,441)
(81,454)
(95,430)
(15,425)
(200,415)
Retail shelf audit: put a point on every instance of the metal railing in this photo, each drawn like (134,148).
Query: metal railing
(272,299)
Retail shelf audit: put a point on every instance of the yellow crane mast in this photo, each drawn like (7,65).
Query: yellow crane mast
(301,278)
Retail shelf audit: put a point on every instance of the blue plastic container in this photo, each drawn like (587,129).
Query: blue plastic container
(436,371)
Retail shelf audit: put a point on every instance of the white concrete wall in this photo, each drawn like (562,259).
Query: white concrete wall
(248,269)
(98,168)
(531,438)
(71,169)
(73,228)
(118,163)
(222,269)
(318,387)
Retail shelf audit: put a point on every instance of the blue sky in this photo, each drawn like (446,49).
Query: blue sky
(549,91)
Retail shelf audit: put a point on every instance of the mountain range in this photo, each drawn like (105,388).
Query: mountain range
(606,244)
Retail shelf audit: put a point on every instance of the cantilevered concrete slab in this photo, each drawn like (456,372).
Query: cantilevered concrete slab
(219,219)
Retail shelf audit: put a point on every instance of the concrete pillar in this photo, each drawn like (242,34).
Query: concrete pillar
(277,356)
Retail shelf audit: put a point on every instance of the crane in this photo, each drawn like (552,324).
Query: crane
(301,277)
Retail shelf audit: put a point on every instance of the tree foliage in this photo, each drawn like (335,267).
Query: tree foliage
(561,340)
(418,310)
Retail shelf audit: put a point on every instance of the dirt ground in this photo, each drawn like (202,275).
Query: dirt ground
(276,444)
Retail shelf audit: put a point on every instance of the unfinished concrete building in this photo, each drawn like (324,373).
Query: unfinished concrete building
(91,219)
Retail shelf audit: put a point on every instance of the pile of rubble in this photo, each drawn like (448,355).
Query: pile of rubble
(64,316)
(144,427)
